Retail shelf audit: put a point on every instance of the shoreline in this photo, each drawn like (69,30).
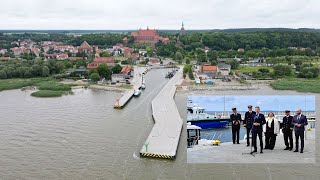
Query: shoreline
(108,88)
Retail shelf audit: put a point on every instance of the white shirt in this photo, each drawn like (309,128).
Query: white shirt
(299,116)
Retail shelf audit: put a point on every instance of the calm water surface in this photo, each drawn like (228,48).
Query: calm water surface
(82,136)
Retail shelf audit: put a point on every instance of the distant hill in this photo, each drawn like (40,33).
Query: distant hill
(164,30)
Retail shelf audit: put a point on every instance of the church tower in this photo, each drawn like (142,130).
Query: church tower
(182,30)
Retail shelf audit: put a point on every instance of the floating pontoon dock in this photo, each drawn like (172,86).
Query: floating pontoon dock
(163,139)
(137,82)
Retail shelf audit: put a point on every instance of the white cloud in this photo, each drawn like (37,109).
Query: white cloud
(161,14)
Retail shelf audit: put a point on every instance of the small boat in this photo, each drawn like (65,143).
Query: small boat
(197,116)
(137,93)
(143,86)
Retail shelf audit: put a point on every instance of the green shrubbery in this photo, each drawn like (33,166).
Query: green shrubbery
(296,84)
(48,93)
(187,69)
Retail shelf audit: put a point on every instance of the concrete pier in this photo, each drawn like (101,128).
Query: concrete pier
(163,139)
(136,82)
(233,153)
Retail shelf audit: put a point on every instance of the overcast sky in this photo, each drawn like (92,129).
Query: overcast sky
(266,103)
(160,14)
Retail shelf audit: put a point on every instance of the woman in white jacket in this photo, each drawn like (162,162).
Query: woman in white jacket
(271,129)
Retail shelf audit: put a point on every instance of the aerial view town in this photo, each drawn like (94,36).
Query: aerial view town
(130,91)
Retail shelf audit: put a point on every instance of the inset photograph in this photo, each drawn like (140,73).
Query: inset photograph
(251,129)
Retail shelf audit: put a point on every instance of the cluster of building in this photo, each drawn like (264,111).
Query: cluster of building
(58,50)
(207,72)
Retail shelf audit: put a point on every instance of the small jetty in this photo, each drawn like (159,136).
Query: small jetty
(139,72)
(164,137)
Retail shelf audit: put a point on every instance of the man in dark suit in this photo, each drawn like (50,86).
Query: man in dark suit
(299,121)
(248,122)
(258,121)
(287,128)
(235,119)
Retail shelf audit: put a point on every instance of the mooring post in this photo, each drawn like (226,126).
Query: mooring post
(146,145)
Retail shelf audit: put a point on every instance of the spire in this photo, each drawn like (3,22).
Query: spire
(182,28)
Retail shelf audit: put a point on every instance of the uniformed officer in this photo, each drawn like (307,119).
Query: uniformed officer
(248,121)
(287,128)
(235,119)
(258,121)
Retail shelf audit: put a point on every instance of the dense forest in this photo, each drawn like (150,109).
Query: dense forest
(214,40)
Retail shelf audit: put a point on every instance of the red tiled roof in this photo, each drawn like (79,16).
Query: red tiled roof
(85,45)
(75,58)
(209,68)
(125,70)
(126,49)
(103,60)
(147,32)
(134,34)
(154,60)
(5,58)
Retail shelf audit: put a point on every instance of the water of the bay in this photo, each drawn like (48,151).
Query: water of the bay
(82,136)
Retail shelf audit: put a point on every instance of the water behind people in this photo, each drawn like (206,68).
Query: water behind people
(225,134)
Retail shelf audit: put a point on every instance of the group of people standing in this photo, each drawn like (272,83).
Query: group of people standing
(257,124)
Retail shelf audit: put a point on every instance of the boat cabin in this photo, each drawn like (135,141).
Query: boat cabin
(193,134)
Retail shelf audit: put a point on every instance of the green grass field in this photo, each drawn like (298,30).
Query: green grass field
(119,58)
(8,84)
(250,69)
(297,84)
(48,87)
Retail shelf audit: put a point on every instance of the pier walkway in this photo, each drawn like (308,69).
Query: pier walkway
(233,153)
(163,139)
(136,82)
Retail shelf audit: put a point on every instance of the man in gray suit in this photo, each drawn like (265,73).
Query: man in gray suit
(299,121)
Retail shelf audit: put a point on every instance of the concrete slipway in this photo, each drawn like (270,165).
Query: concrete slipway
(163,139)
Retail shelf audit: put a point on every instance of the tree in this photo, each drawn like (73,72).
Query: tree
(36,70)
(149,50)
(116,69)
(178,56)
(45,71)
(282,70)
(213,63)
(289,59)
(297,63)
(3,74)
(308,71)
(212,55)
(105,54)
(27,73)
(60,67)
(95,77)
(233,63)
(202,57)
(104,71)
(264,70)
(187,60)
